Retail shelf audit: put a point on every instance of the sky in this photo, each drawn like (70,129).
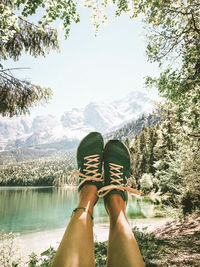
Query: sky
(90,68)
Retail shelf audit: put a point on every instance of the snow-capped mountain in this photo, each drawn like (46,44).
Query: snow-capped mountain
(74,124)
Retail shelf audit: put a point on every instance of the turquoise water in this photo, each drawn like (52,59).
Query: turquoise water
(34,209)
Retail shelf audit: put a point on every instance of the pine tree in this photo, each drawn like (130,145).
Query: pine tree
(18,35)
(153,136)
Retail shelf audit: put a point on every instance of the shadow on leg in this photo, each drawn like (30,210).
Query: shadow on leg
(122,247)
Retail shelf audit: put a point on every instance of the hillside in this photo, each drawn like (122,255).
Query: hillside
(36,152)
(133,128)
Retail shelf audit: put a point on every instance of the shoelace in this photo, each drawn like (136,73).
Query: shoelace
(91,170)
(116,177)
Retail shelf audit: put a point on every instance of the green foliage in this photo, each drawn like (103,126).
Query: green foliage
(44,260)
(9,253)
(165,161)
(100,252)
(19,34)
(174,35)
(17,96)
(148,244)
(146,183)
(142,150)
(141,139)
(171,171)
(190,197)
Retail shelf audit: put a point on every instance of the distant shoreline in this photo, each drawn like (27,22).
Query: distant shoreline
(65,186)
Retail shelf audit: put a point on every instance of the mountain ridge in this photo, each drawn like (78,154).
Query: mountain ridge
(61,147)
(73,124)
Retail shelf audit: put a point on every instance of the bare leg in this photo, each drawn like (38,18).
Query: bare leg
(122,247)
(77,245)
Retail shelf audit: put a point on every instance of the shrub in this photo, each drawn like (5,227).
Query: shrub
(190,201)
(9,253)
(100,250)
(44,260)
(146,182)
(190,197)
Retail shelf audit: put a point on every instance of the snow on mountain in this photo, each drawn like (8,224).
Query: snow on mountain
(74,124)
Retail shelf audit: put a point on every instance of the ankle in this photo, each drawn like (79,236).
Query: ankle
(115,205)
(88,197)
(83,209)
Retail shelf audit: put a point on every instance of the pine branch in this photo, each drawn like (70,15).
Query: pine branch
(19,68)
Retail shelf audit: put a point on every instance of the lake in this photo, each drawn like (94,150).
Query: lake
(33,209)
(37,212)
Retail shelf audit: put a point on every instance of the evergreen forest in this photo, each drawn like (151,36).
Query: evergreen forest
(48,171)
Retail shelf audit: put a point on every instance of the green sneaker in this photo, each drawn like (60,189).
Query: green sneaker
(116,158)
(89,160)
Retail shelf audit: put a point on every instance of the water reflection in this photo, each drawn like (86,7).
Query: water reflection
(35,209)
(140,207)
